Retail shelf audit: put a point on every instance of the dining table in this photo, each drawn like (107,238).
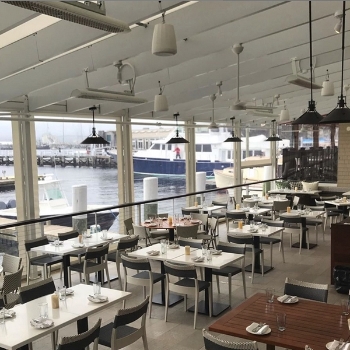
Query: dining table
(178,256)
(308,322)
(252,211)
(257,232)
(17,330)
(206,209)
(313,214)
(68,247)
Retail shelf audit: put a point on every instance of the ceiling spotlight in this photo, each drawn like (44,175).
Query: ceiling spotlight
(339,25)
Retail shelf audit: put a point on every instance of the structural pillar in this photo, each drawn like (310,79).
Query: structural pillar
(190,149)
(26,179)
(237,171)
(125,169)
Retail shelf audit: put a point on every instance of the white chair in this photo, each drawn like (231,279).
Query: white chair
(296,225)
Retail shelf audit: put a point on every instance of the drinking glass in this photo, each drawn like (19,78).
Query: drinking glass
(97,288)
(63,293)
(163,246)
(2,315)
(104,234)
(281,321)
(209,256)
(270,294)
(204,250)
(263,227)
(344,307)
(44,309)
(251,224)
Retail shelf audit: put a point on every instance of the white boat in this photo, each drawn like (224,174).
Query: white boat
(53,201)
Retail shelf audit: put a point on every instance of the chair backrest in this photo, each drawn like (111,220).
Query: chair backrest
(3,205)
(219,203)
(280,205)
(128,242)
(295,201)
(231,247)
(245,196)
(123,318)
(240,239)
(36,242)
(11,263)
(37,290)
(213,222)
(189,231)
(83,340)
(236,216)
(211,342)
(328,198)
(11,204)
(99,251)
(63,236)
(294,221)
(319,203)
(315,207)
(160,215)
(140,231)
(189,211)
(11,284)
(273,223)
(194,243)
(306,290)
(182,271)
(128,223)
(201,217)
(135,264)
(250,203)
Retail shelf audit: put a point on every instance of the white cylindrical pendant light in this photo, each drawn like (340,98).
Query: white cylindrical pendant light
(327,88)
(160,103)
(284,115)
(164,40)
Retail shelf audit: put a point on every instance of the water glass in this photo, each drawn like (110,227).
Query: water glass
(97,288)
(104,234)
(204,250)
(344,307)
(2,315)
(163,246)
(209,256)
(44,309)
(63,293)
(263,227)
(281,321)
(251,224)
(270,294)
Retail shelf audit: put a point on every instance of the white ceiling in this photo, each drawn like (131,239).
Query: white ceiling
(47,65)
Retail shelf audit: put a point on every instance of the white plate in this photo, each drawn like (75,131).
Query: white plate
(293,301)
(198,259)
(194,221)
(328,345)
(39,324)
(174,246)
(153,252)
(253,325)
(8,313)
(216,252)
(106,239)
(69,291)
(78,245)
(55,244)
(147,221)
(88,236)
(254,230)
(152,225)
(100,299)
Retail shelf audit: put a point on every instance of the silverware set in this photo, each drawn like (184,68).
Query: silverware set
(258,327)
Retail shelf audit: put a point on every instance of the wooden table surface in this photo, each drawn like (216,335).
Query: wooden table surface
(308,323)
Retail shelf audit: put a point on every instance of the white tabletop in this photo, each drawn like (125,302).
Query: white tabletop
(209,208)
(258,211)
(296,213)
(17,331)
(271,200)
(170,254)
(293,192)
(66,247)
(346,193)
(270,230)
(338,204)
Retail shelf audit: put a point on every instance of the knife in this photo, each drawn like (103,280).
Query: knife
(258,327)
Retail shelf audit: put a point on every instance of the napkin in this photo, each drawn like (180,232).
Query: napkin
(8,313)
(153,252)
(283,298)
(198,259)
(98,299)
(335,343)
(262,330)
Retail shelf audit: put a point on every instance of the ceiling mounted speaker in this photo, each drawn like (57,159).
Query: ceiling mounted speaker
(88,13)
(160,103)
(164,40)
(284,115)
(327,87)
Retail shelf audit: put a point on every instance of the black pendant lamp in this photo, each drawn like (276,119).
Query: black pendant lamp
(233,138)
(341,113)
(177,138)
(311,116)
(94,139)
(273,137)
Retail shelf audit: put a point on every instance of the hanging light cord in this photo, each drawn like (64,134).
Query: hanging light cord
(342,54)
(177,128)
(162,11)
(310,33)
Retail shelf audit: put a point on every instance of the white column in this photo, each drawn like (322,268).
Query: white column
(237,154)
(125,169)
(26,178)
(190,149)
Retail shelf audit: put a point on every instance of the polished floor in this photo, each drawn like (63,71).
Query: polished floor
(178,332)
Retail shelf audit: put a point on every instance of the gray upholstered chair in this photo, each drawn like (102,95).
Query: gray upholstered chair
(189,231)
(9,295)
(37,290)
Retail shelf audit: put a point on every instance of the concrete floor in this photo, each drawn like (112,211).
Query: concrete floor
(178,332)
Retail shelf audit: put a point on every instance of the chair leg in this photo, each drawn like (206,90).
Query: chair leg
(300,240)
(244,286)
(45,271)
(323,230)
(119,276)
(87,278)
(211,300)
(151,298)
(144,340)
(271,248)
(69,277)
(316,232)
(262,263)
(282,250)
(166,299)
(229,289)
(144,292)
(217,283)
(195,308)
(307,241)
(107,275)
(28,271)
(253,264)
(125,287)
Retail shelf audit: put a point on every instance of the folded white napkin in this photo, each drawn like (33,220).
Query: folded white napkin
(263,329)
(335,344)
(283,298)
(8,313)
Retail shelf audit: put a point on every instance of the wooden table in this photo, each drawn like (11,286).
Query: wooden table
(17,331)
(270,230)
(308,323)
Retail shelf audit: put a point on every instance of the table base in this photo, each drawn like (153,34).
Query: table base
(304,246)
(96,279)
(218,308)
(267,269)
(173,299)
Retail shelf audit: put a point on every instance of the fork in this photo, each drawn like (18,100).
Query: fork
(258,327)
